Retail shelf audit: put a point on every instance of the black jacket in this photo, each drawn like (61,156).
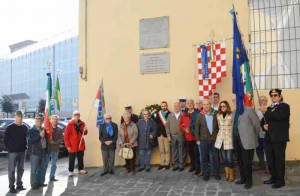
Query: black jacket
(103,136)
(15,138)
(161,129)
(278,119)
(34,142)
(134,118)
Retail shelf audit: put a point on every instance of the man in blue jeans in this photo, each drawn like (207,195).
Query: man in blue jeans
(147,133)
(38,150)
(206,130)
(56,138)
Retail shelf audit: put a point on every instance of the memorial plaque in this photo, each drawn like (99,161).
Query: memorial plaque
(154,33)
(151,63)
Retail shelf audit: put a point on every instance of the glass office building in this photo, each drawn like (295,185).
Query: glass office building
(24,71)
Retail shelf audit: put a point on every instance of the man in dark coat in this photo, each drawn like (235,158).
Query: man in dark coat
(276,123)
(163,143)
(134,118)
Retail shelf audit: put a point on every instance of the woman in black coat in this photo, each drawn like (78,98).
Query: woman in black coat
(108,135)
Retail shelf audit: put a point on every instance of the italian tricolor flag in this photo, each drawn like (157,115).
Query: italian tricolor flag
(48,112)
(248,94)
(57,95)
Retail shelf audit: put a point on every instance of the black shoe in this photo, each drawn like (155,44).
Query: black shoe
(21,188)
(181,169)
(175,168)
(217,177)
(12,190)
(43,185)
(140,169)
(167,167)
(205,178)
(161,167)
(148,170)
(248,185)
(112,172)
(103,173)
(53,180)
(124,165)
(128,170)
(196,173)
(270,181)
(278,185)
(35,187)
(240,182)
(191,170)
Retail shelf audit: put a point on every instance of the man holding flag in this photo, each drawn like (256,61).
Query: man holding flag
(246,124)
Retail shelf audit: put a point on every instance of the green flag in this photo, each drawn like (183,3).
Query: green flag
(57,96)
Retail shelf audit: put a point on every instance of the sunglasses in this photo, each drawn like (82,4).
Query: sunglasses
(274,95)
(223,106)
(107,118)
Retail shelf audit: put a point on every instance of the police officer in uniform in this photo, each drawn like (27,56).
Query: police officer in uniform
(182,102)
(276,124)
(134,118)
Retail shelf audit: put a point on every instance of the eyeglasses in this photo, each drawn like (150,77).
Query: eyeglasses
(274,95)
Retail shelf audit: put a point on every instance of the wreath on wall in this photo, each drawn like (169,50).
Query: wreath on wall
(153,109)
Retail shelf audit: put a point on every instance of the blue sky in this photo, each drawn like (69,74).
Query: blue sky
(35,19)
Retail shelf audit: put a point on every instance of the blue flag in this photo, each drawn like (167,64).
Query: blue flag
(101,104)
(240,60)
(205,73)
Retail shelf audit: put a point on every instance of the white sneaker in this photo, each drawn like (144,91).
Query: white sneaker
(71,174)
(82,172)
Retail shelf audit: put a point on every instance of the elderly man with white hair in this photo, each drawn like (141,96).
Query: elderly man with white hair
(108,136)
(261,148)
(56,138)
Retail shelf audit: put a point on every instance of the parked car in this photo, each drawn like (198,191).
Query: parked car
(29,122)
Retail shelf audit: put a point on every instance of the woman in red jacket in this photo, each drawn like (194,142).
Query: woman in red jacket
(72,136)
(190,140)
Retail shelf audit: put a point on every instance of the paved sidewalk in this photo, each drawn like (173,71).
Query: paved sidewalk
(154,183)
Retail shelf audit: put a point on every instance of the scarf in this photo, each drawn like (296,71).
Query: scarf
(109,129)
(126,137)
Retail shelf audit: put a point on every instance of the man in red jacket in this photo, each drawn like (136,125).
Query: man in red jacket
(190,141)
(73,135)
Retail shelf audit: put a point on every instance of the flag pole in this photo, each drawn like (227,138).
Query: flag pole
(88,118)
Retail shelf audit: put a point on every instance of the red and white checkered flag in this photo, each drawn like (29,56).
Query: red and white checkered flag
(216,68)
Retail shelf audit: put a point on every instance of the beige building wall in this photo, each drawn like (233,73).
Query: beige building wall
(113,53)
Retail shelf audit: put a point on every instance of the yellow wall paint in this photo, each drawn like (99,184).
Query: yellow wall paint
(113,53)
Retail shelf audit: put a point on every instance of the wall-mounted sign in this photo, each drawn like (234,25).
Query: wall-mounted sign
(155,63)
(154,33)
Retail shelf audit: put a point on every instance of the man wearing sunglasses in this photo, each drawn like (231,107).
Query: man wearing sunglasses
(276,124)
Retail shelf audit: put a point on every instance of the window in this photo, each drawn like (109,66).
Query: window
(275,43)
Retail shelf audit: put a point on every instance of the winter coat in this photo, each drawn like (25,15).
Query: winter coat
(72,138)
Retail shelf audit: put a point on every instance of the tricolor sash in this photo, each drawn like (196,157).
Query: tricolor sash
(162,118)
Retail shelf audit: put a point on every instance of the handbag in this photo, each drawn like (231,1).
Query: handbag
(126,152)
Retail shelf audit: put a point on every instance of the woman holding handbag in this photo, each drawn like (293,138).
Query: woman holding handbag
(127,139)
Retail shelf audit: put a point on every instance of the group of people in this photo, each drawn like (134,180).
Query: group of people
(210,133)
(42,148)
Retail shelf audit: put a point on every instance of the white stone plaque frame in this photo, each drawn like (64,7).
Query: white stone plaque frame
(152,63)
(154,33)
